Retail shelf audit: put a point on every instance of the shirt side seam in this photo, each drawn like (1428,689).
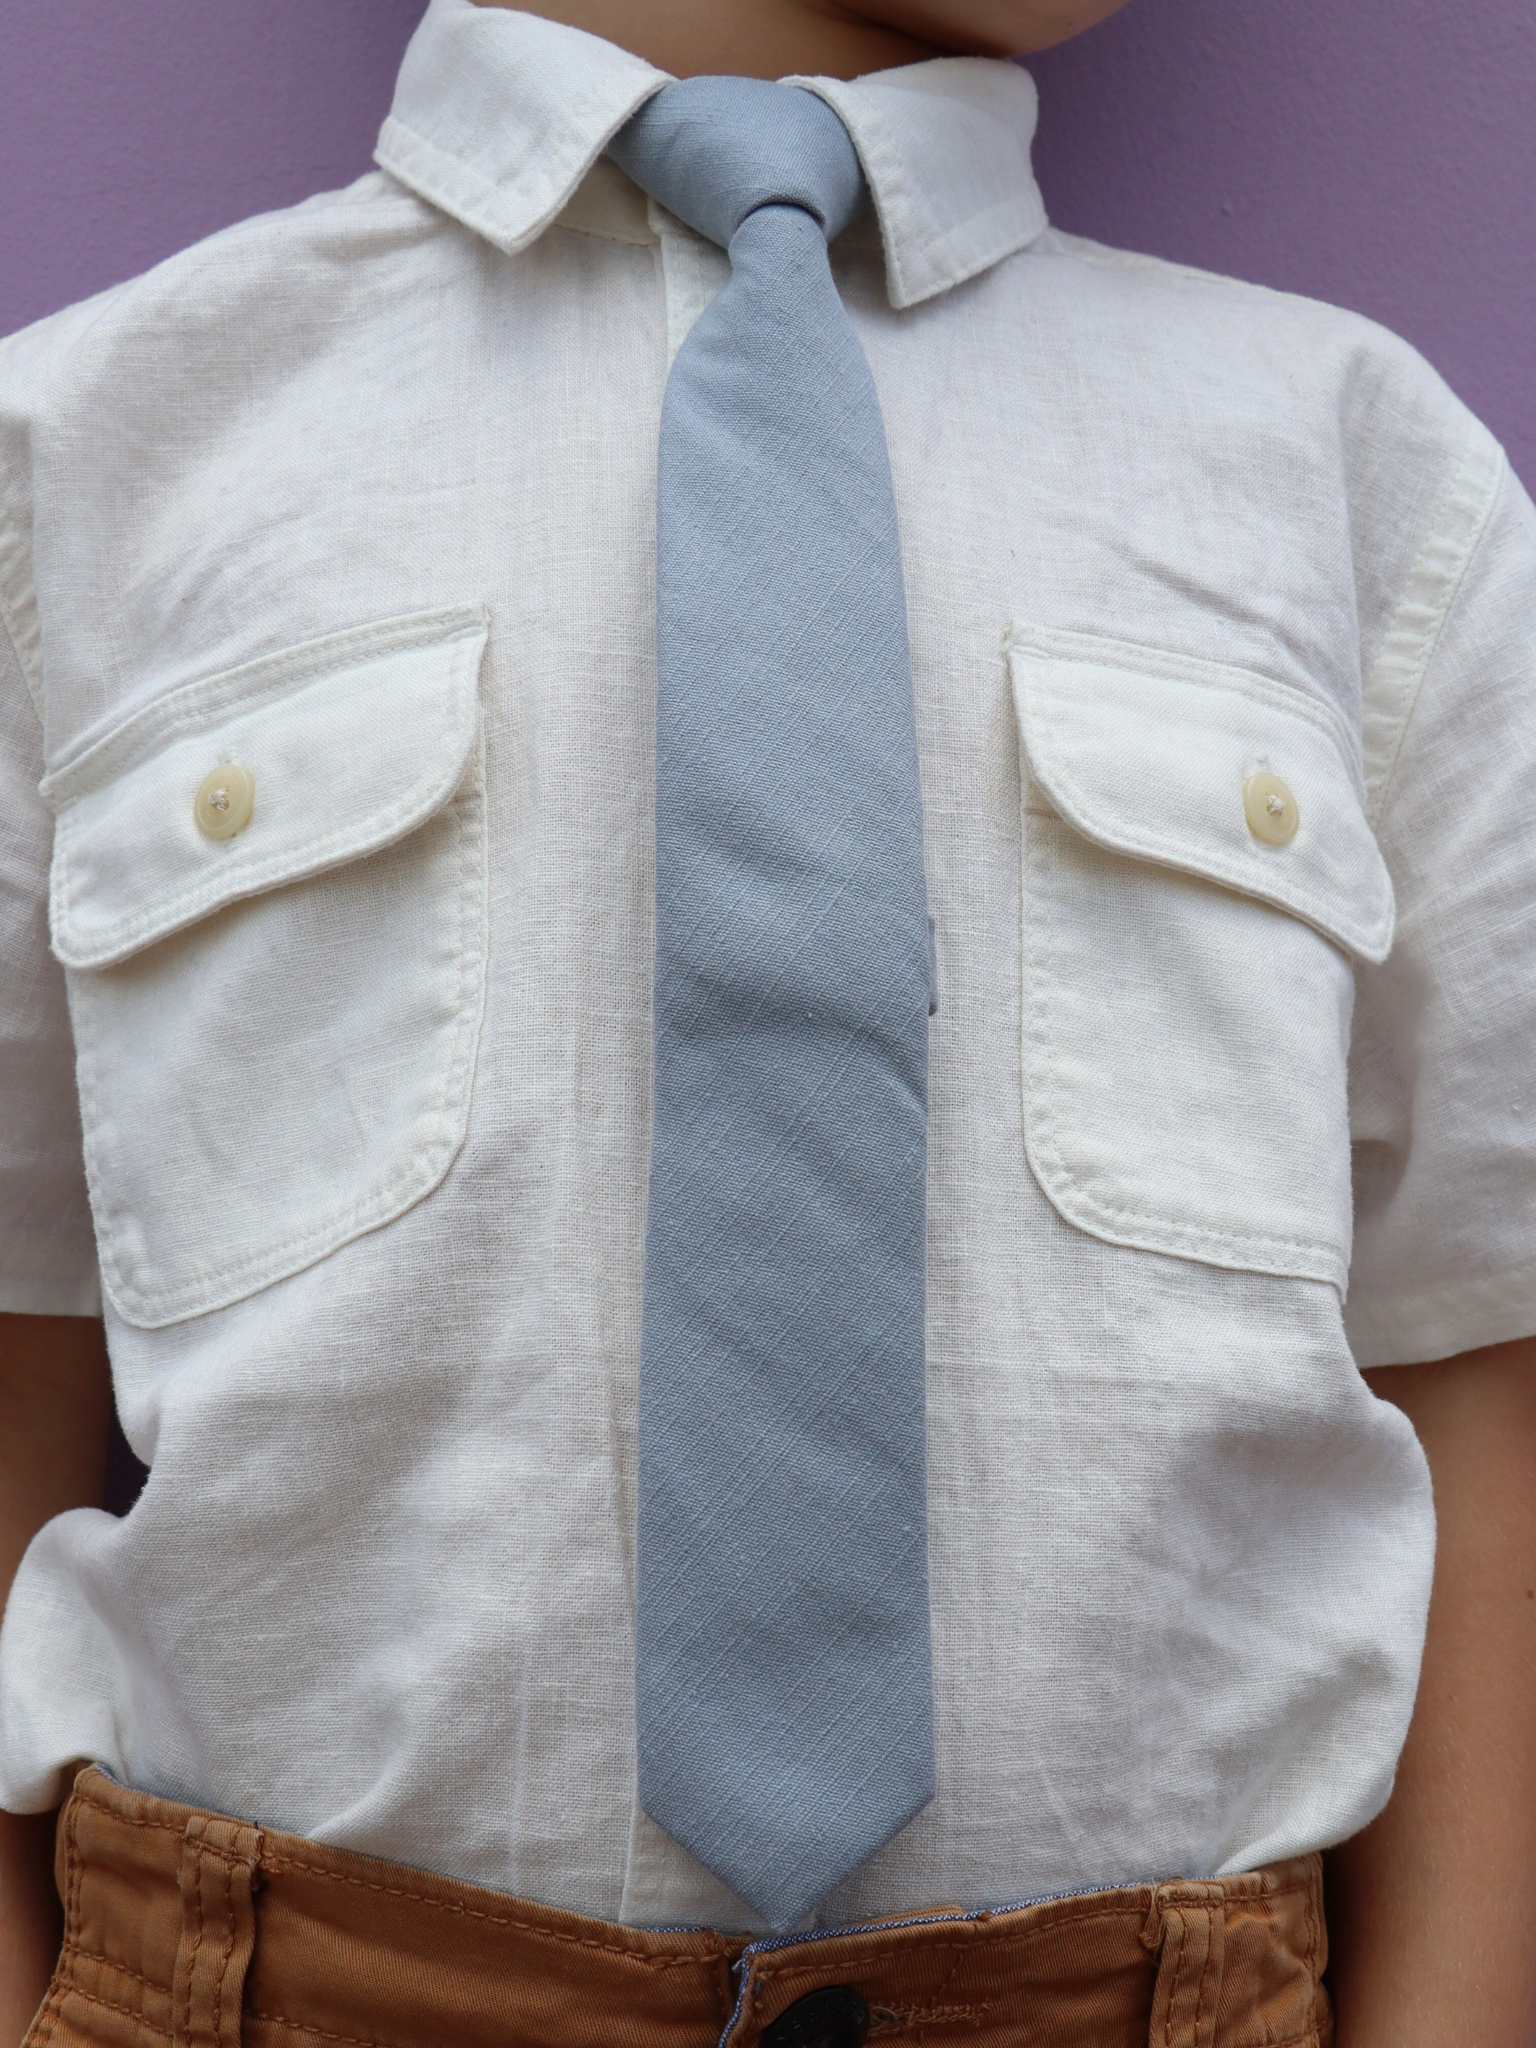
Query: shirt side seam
(18,611)
(1392,688)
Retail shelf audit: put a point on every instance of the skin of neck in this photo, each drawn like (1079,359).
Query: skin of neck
(818,38)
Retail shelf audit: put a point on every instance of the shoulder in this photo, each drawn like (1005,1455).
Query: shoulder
(257,274)
(1323,425)
(129,423)
(1334,364)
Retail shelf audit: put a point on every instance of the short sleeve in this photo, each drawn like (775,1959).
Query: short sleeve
(1443,1071)
(47,1249)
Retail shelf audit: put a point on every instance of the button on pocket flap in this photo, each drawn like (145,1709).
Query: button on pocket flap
(248,780)
(1212,770)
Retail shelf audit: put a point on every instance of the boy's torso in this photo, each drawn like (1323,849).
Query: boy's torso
(367,1108)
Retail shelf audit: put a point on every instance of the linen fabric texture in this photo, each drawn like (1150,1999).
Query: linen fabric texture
(1158,530)
(784,1678)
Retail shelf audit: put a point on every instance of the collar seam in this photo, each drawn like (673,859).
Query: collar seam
(885,175)
(889,188)
(564,151)
(1011,238)
(915,246)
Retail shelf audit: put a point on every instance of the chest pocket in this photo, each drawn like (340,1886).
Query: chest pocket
(1188,984)
(275,1024)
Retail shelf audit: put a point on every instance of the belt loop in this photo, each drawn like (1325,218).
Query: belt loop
(1187,1924)
(220,1860)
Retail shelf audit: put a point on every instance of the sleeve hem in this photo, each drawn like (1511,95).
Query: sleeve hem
(51,1295)
(1392,688)
(1413,1328)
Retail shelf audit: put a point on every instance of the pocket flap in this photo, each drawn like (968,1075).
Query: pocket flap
(1147,753)
(352,742)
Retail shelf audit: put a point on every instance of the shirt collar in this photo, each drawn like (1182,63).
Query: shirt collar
(498,116)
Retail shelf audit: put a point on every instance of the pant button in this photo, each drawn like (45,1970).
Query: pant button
(833,2017)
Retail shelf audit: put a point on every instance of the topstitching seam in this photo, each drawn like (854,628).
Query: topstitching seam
(128,2012)
(184,2032)
(1132,658)
(251,683)
(296,862)
(1206,1972)
(34,683)
(279,1863)
(226,1864)
(16,552)
(1310,903)
(117,1966)
(1175,1973)
(987,1932)
(424,1163)
(1421,574)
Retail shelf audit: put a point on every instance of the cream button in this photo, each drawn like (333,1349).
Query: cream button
(1270,808)
(225,799)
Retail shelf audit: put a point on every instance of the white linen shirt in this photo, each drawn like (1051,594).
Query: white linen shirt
(361,498)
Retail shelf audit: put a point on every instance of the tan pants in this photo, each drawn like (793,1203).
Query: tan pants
(186,1928)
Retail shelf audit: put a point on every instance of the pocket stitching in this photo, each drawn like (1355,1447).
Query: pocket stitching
(1058,646)
(1219,869)
(250,682)
(1084,650)
(220,1286)
(1067,1192)
(330,850)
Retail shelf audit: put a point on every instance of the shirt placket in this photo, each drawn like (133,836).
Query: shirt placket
(693,270)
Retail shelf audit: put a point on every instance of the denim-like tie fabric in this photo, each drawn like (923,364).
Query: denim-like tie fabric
(784,1684)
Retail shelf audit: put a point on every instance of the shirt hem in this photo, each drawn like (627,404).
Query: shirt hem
(56,1295)
(1442,1322)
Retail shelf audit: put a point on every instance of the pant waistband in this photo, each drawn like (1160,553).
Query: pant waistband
(186,1927)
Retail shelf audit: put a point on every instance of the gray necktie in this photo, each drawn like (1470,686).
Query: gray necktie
(784,1687)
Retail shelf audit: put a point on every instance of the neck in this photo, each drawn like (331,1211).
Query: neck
(766,39)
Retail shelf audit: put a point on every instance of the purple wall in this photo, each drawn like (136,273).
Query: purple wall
(1380,153)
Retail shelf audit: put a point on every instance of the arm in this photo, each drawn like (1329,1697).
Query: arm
(55,1401)
(1432,1908)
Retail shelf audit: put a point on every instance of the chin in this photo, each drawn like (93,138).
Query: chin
(988,28)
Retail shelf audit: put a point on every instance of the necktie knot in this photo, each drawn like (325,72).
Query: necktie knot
(713,150)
